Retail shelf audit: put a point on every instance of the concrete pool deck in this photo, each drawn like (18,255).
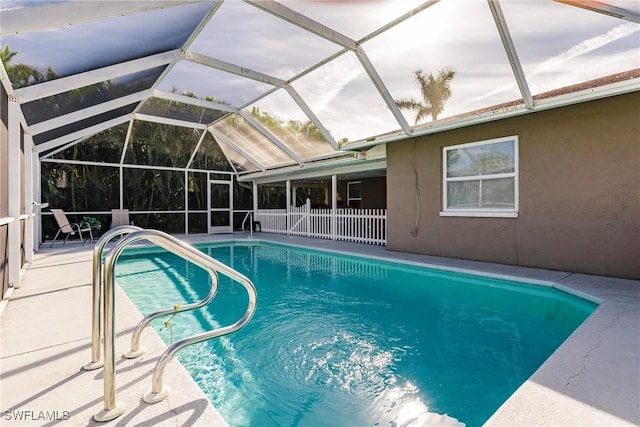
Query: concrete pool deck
(593,379)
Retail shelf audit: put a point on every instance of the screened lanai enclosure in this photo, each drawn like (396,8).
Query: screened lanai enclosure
(192,113)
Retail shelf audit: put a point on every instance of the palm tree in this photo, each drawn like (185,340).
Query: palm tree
(22,75)
(435,92)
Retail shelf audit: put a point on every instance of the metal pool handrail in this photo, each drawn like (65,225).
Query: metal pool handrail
(96,315)
(248,215)
(158,392)
(113,408)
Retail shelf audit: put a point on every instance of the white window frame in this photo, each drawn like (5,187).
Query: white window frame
(349,197)
(481,212)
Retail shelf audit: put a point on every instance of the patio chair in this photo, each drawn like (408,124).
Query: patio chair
(67,228)
(120,217)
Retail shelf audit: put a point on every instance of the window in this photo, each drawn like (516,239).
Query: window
(354,194)
(481,178)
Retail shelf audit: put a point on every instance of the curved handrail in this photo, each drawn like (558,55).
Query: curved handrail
(112,408)
(96,361)
(159,393)
(136,350)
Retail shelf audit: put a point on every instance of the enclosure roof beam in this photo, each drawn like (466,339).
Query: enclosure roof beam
(305,108)
(168,121)
(510,49)
(17,21)
(303,22)
(382,90)
(65,84)
(196,148)
(233,69)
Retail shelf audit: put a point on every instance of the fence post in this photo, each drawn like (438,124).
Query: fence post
(308,217)
(334,205)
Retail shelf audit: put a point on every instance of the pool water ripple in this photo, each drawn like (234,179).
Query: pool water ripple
(347,341)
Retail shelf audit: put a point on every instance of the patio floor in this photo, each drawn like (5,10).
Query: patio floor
(593,379)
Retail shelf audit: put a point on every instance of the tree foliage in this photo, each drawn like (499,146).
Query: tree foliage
(435,92)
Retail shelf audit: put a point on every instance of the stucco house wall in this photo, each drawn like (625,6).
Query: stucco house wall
(579,189)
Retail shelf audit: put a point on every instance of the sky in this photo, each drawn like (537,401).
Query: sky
(557,45)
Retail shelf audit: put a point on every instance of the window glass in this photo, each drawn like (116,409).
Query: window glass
(486,159)
(497,193)
(354,194)
(463,194)
(481,177)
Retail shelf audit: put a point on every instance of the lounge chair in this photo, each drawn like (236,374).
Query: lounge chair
(120,217)
(69,229)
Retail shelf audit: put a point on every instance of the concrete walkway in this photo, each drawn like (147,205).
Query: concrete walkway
(45,336)
(592,380)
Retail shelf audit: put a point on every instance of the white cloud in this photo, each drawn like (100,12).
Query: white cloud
(587,46)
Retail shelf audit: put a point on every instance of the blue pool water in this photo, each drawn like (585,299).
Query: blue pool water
(352,341)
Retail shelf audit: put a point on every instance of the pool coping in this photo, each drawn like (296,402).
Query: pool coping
(592,379)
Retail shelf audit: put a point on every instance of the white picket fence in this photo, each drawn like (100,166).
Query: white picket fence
(351,225)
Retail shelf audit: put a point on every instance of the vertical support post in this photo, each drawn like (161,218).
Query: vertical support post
(334,205)
(29,179)
(255,198)
(288,190)
(37,220)
(14,176)
(186,202)
(231,187)
(254,188)
(121,186)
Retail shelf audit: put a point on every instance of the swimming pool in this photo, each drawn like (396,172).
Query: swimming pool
(342,340)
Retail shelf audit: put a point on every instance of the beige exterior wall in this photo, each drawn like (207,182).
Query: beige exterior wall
(579,192)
